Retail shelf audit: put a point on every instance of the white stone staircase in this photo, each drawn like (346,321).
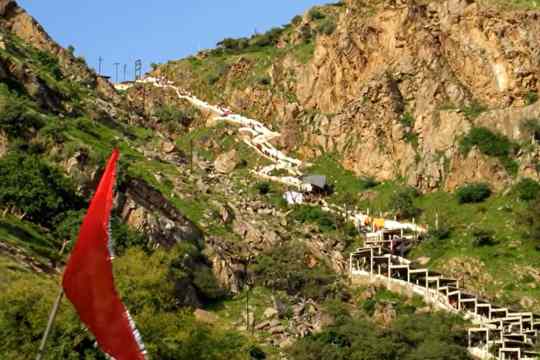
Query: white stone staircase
(498,332)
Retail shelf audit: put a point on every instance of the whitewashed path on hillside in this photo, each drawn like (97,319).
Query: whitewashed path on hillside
(260,140)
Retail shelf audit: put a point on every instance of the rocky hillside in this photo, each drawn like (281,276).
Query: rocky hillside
(190,232)
(384,95)
(390,87)
(211,260)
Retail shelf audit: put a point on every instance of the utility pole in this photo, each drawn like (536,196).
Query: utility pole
(191,154)
(116,65)
(125,72)
(100,60)
(138,69)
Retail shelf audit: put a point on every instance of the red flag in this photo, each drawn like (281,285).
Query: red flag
(88,279)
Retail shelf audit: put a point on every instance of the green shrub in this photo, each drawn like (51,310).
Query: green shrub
(147,287)
(264,80)
(316,14)
(367,182)
(442,233)
(36,188)
(369,306)
(16,114)
(483,237)
(256,353)
(234,44)
(532,128)
(212,79)
(123,237)
(220,71)
(55,129)
(312,214)
(49,63)
(491,144)
(327,27)
(527,189)
(411,138)
(88,126)
(473,193)
(531,98)
(206,284)
(171,114)
(271,37)
(263,187)
(407,120)
(410,337)
(510,165)
(473,110)
(297,20)
(403,203)
(66,227)
(488,142)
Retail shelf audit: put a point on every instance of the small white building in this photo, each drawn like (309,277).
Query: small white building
(124,86)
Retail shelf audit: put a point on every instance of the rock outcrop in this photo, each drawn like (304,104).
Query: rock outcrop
(389,89)
(146,210)
(227,162)
(17,21)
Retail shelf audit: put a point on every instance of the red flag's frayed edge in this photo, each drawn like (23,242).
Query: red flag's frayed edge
(88,279)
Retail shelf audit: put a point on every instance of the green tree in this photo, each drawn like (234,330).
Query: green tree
(403,203)
(284,268)
(527,189)
(35,188)
(147,287)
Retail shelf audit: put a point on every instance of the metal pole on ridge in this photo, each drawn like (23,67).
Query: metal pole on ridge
(52,317)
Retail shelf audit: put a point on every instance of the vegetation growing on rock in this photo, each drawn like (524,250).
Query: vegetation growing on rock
(187,239)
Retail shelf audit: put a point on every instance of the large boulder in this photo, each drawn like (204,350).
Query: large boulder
(205,316)
(146,209)
(228,266)
(227,162)
(253,235)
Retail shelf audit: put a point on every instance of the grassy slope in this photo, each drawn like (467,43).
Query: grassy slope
(505,261)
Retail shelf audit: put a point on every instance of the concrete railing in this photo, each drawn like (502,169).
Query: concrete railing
(496,326)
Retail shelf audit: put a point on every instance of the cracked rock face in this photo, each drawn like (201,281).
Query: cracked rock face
(389,58)
(146,210)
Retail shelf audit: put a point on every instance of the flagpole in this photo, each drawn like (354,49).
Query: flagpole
(52,317)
